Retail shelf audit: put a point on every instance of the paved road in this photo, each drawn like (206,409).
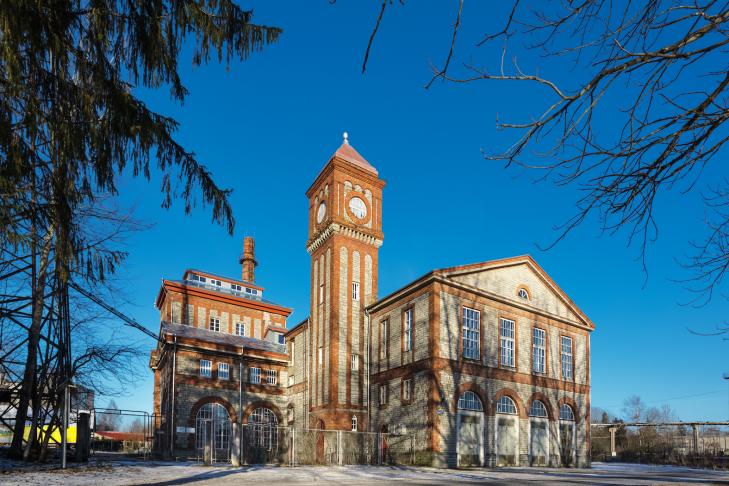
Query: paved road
(159,473)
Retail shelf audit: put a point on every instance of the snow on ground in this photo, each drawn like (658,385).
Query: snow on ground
(168,473)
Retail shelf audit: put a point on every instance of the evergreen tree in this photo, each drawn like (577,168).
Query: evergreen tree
(70,124)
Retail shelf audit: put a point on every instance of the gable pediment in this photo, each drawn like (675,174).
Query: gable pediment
(505,277)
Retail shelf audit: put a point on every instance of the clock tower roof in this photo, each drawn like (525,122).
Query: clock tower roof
(348,153)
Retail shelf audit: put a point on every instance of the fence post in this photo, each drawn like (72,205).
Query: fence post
(695,430)
(339,447)
(235,450)
(612,430)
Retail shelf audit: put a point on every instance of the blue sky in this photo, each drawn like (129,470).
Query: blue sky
(266,127)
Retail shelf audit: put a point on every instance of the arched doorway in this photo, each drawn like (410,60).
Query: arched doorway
(507,432)
(212,432)
(567,435)
(320,445)
(262,436)
(469,430)
(538,434)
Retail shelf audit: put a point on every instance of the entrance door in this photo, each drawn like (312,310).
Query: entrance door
(470,439)
(567,442)
(538,442)
(507,440)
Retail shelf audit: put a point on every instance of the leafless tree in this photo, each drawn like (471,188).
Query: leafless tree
(659,67)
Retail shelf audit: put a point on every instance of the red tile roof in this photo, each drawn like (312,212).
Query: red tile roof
(348,153)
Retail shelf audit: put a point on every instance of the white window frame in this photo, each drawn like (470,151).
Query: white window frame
(214,323)
(567,355)
(255,375)
(271,377)
(223,371)
(506,405)
(383,394)
(354,423)
(355,290)
(407,389)
(206,368)
(355,362)
(539,350)
(523,293)
(471,333)
(408,329)
(240,329)
(507,336)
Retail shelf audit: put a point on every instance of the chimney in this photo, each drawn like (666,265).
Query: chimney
(248,260)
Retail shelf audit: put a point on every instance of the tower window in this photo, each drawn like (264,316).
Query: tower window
(215,324)
(523,294)
(407,390)
(321,355)
(321,293)
(383,339)
(354,423)
(355,362)
(355,290)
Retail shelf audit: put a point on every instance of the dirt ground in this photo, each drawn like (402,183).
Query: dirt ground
(168,473)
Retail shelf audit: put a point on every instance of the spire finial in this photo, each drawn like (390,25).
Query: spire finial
(346,137)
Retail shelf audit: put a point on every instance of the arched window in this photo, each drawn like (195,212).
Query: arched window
(505,405)
(354,423)
(263,423)
(523,294)
(212,418)
(566,413)
(470,401)
(538,409)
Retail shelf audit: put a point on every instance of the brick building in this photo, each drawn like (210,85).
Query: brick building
(484,364)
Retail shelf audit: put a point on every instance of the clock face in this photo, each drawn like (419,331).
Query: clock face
(321,212)
(358,207)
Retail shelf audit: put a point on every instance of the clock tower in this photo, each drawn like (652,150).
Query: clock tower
(345,234)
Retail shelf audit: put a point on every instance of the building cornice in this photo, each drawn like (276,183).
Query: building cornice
(337,228)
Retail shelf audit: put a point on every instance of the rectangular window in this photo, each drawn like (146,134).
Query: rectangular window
(292,352)
(507,342)
(255,375)
(271,377)
(383,394)
(383,339)
(223,371)
(355,290)
(240,329)
(407,390)
(539,350)
(355,362)
(321,355)
(566,358)
(471,333)
(280,338)
(408,331)
(206,368)
(215,324)
(321,293)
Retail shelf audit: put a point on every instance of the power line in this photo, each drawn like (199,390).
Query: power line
(664,400)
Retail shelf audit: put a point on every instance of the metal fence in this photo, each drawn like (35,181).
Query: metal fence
(269,444)
(689,443)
